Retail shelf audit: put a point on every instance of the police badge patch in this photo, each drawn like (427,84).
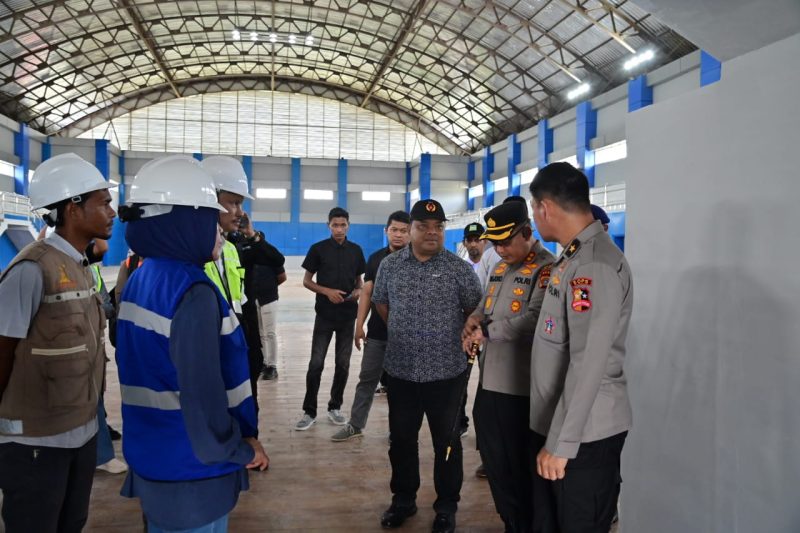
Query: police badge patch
(580,300)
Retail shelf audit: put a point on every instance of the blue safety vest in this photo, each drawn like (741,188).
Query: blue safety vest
(156,444)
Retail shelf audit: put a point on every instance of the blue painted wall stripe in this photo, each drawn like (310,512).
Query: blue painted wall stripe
(198,156)
(408,187)
(639,93)
(47,149)
(470,180)
(710,69)
(424,176)
(488,184)
(22,149)
(514,159)
(341,183)
(545,142)
(296,192)
(586,130)
(247,165)
(102,157)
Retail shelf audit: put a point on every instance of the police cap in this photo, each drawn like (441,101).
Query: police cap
(504,220)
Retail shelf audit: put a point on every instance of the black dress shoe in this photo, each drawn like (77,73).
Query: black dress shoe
(395,515)
(444,523)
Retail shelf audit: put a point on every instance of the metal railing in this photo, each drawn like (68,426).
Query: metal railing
(15,204)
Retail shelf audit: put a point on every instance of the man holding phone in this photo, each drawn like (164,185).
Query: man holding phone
(338,265)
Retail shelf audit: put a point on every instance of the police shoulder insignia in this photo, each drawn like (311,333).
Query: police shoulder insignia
(580,300)
(518,291)
(581,281)
(516,305)
(572,248)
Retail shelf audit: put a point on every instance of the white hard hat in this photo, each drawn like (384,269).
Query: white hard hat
(63,177)
(228,174)
(174,180)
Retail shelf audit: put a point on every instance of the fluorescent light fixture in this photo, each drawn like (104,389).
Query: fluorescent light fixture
(612,152)
(292,38)
(270,193)
(309,40)
(572,160)
(501,184)
(273,38)
(638,59)
(317,194)
(376,196)
(414,195)
(475,191)
(236,35)
(526,176)
(580,90)
(7,169)
(253,36)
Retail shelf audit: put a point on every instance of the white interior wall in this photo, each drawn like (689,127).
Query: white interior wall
(713,362)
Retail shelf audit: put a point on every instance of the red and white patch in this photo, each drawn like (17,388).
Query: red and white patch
(581,301)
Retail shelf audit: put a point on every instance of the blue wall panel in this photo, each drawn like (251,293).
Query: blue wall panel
(452,237)
(7,251)
(710,69)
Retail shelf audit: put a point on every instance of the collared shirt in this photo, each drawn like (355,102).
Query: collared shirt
(578,386)
(488,261)
(428,302)
(337,266)
(21,293)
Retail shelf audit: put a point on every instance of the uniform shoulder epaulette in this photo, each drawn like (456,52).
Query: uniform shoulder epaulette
(572,248)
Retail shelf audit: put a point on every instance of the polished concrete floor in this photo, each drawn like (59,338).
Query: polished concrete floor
(312,484)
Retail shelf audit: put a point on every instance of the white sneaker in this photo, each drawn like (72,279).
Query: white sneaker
(336,416)
(305,423)
(114,466)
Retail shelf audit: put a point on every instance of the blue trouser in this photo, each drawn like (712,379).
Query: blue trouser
(105,449)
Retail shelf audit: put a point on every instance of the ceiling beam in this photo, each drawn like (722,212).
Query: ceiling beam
(579,9)
(149,42)
(399,39)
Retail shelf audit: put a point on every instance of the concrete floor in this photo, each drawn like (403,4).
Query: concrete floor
(312,484)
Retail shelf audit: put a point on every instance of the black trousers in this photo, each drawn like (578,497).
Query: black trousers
(585,500)
(323,333)
(438,401)
(46,490)
(255,356)
(501,427)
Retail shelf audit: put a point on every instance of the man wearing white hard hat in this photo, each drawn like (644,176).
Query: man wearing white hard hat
(52,356)
(189,417)
(230,182)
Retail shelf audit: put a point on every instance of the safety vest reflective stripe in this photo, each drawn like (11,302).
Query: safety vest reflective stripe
(169,400)
(239,394)
(59,351)
(146,319)
(68,295)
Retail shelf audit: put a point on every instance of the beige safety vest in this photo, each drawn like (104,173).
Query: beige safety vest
(59,367)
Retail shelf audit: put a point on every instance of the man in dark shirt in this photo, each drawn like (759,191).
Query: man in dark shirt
(263,272)
(424,294)
(338,265)
(397,231)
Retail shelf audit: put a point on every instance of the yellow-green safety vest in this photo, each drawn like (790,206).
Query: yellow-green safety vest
(234,275)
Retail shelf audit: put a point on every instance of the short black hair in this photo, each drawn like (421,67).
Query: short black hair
(398,216)
(337,212)
(564,184)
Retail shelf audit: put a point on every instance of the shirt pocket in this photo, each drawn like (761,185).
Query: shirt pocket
(66,374)
(552,325)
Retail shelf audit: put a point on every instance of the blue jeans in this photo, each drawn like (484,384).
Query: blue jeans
(217,526)
(105,449)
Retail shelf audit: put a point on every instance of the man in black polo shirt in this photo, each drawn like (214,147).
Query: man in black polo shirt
(397,232)
(338,265)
